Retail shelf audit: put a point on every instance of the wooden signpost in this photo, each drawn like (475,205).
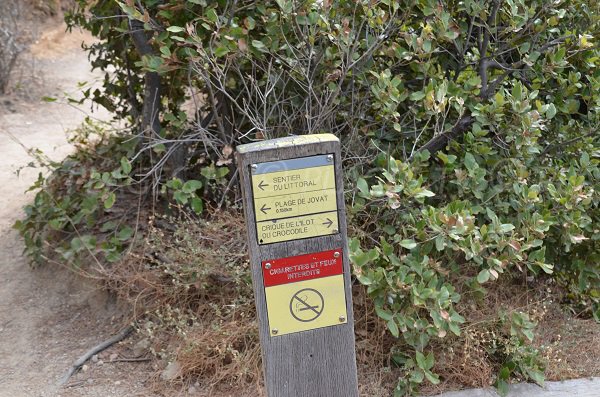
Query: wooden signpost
(296,222)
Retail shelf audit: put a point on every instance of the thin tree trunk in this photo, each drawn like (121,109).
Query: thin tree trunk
(150,122)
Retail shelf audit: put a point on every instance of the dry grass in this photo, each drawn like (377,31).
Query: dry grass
(190,287)
(190,290)
(571,345)
(376,375)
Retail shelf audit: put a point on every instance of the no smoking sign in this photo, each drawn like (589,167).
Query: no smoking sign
(307,305)
(305,292)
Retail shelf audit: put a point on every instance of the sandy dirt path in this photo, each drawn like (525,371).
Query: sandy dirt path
(48,317)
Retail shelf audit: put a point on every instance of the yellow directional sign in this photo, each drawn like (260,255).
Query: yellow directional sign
(290,205)
(293,181)
(306,305)
(297,228)
(295,198)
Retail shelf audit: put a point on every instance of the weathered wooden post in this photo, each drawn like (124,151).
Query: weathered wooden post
(296,223)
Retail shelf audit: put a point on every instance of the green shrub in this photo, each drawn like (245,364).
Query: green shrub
(434,219)
(468,128)
(72,211)
(84,206)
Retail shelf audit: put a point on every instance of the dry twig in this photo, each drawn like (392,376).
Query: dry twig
(95,350)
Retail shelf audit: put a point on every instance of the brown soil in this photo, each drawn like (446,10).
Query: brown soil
(48,316)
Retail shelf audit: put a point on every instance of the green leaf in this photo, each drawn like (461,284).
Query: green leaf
(433,378)
(89,241)
(108,226)
(259,45)
(363,186)
(393,327)
(440,242)
(180,197)
(221,51)
(384,314)
(429,361)
(125,165)
(221,172)
(504,373)
(551,111)
(287,6)
(502,386)
(416,376)
(175,29)
(166,51)
(389,229)
(470,162)
(360,258)
(197,205)
(132,12)
(454,328)
(175,183)
(76,244)
(584,160)
(417,96)
(364,280)
(537,376)
(424,193)
(160,148)
(112,256)
(191,186)
(49,99)
(483,276)
(212,16)
(57,224)
(408,243)
(110,200)
(421,360)
(125,233)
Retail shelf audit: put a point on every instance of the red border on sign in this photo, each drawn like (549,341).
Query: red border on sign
(302,267)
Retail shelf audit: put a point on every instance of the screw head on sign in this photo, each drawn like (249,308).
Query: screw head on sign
(336,254)
(267,266)
(330,158)
(254,167)
(274,331)
(334,231)
(342,319)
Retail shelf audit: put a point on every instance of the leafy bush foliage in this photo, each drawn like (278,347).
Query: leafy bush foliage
(75,204)
(476,210)
(518,192)
(83,206)
(468,128)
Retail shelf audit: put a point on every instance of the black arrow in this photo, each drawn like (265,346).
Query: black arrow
(262,185)
(328,223)
(264,209)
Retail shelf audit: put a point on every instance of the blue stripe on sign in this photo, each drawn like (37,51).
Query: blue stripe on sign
(292,164)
